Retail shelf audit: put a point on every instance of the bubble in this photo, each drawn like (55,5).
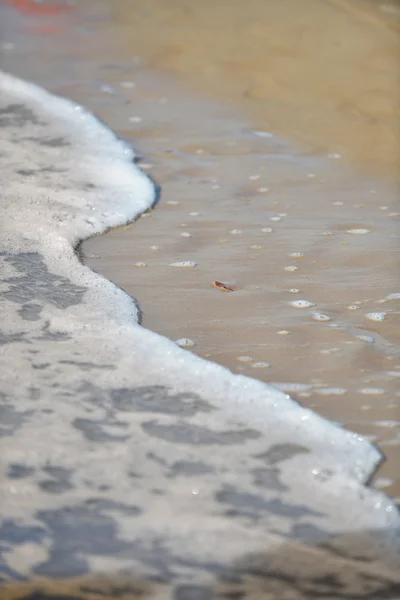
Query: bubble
(262,190)
(106,88)
(245,359)
(366,338)
(330,350)
(185,343)
(320,317)
(254,177)
(255,247)
(236,231)
(359,231)
(275,218)
(296,254)
(195,214)
(353,307)
(291,268)
(282,214)
(260,365)
(292,388)
(294,291)
(140,265)
(394,373)
(301,303)
(394,296)
(173,202)
(283,332)
(331,391)
(338,203)
(185,264)
(267,230)
(264,134)
(186,234)
(384,208)
(155,248)
(370,391)
(376,316)
(135,119)
(383,482)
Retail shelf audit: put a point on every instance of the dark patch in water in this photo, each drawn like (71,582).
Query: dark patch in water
(186,433)
(38,283)
(17,115)
(281,452)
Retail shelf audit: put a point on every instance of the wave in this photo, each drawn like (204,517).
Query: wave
(121,450)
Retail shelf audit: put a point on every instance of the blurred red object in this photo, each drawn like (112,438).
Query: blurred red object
(32,7)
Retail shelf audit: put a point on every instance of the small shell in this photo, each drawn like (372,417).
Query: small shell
(222,286)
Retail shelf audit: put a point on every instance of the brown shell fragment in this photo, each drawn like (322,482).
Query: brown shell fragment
(222,286)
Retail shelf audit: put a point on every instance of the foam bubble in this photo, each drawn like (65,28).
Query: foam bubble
(184,264)
(185,343)
(264,134)
(376,316)
(370,391)
(359,231)
(301,303)
(331,391)
(320,317)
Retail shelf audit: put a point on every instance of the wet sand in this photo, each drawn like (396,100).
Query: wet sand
(321,72)
(256,212)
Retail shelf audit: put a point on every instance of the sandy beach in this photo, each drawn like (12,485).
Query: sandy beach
(275,166)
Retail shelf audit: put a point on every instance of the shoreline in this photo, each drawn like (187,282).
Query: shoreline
(76,394)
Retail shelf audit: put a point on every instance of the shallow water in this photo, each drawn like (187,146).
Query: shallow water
(263,215)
